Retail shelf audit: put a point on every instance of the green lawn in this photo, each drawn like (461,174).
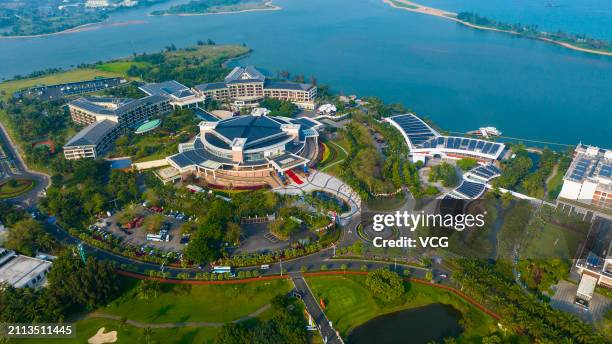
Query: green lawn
(120,67)
(349,304)
(555,184)
(209,303)
(336,154)
(552,241)
(130,334)
(22,186)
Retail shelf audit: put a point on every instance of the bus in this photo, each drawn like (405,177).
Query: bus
(223,270)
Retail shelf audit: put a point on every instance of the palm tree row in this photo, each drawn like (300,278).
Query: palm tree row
(524,313)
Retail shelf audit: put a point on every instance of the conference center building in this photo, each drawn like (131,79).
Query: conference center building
(248,150)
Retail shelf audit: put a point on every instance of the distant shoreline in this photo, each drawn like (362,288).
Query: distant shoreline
(269,7)
(414,7)
(80,28)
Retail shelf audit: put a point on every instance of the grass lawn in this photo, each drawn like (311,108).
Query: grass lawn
(209,303)
(549,240)
(386,203)
(120,67)
(130,334)
(555,184)
(22,186)
(9,87)
(209,53)
(349,304)
(335,154)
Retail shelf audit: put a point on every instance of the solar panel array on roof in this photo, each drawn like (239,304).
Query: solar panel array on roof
(580,168)
(463,143)
(416,130)
(470,189)
(486,172)
(606,171)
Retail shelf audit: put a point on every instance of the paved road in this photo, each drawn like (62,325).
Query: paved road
(20,170)
(325,328)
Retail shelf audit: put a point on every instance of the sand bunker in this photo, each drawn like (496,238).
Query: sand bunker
(101,338)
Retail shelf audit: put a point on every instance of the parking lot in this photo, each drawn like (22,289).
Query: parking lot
(565,293)
(257,238)
(138,236)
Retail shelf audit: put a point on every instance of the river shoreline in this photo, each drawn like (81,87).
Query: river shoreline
(80,28)
(417,8)
(269,7)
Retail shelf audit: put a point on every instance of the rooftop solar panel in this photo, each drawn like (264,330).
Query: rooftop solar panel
(493,148)
(457,143)
(483,173)
(470,189)
(479,144)
(486,147)
(472,145)
(493,169)
(449,142)
(418,141)
(577,175)
(465,142)
(440,140)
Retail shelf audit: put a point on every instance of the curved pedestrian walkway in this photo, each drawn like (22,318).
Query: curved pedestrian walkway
(177,324)
(319,181)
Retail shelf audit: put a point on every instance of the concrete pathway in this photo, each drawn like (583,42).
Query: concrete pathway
(319,181)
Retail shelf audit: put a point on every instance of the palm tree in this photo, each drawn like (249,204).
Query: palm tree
(146,333)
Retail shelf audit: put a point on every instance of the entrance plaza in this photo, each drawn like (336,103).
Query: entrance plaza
(319,181)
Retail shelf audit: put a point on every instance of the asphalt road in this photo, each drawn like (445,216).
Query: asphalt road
(20,170)
(325,328)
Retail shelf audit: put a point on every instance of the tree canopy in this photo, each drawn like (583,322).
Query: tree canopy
(385,285)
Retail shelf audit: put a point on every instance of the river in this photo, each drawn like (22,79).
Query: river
(460,77)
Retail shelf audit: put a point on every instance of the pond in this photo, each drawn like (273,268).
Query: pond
(417,325)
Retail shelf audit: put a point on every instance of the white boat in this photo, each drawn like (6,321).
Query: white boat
(486,132)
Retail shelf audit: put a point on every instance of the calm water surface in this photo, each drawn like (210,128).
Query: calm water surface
(459,77)
(421,325)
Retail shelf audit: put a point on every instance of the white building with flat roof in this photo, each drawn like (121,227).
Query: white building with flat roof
(22,271)
(426,142)
(588,180)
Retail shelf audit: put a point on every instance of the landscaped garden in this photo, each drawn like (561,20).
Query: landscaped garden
(332,153)
(14,187)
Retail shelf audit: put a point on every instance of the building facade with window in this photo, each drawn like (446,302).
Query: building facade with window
(106,119)
(245,87)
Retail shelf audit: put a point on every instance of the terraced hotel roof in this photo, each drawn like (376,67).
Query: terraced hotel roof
(92,134)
